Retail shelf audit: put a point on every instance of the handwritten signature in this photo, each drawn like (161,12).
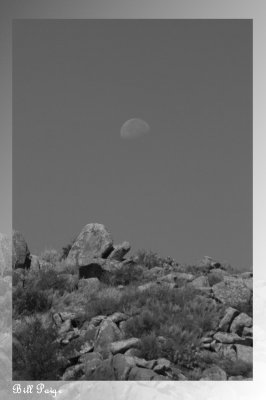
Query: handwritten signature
(40,388)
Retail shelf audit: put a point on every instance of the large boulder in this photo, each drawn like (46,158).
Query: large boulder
(232,291)
(120,251)
(94,241)
(5,254)
(21,253)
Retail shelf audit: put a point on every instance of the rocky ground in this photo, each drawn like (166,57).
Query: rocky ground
(91,312)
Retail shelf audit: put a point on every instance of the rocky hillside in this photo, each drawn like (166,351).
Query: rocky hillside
(90,312)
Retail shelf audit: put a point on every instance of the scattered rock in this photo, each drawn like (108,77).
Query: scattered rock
(244,353)
(232,292)
(200,282)
(230,314)
(141,362)
(104,371)
(123,345)
(162,365)
(120,251)
(122,366)
(65,327)
(142,374)
(241,321)
(226,351)
(72,351)
(249,283)
(247,331)
(230,338)
(214,373)
(107,334)
(207,263)
(73,373)
(118,317)
(87,358)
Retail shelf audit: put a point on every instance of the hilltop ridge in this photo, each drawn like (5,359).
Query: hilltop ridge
(91,312)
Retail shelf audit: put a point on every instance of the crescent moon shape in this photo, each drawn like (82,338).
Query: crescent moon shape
(134,128)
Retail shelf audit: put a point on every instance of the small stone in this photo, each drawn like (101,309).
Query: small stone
(214,373)
(241,321)
(230,314)
(244,353)
(123,345)
(120,251)
(247,331)
(73,373)
(118,317)
(200,282)
(65,327)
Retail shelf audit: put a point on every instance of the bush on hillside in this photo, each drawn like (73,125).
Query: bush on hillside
(50,256)
(28,301)
(36,352)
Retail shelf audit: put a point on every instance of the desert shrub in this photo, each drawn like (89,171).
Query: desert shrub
(179,315)
(105,302)
(126,275)
(36,352)
(18,277)
(50,256)
(49,279)
(148,259)
(63,268)
(66,249)
(143,323)
(149,347)
(28,301)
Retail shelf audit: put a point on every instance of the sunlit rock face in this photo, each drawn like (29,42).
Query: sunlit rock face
(94,241)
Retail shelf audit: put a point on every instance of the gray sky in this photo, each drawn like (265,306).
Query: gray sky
(184,190)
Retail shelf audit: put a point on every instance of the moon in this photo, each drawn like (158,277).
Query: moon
(134,128)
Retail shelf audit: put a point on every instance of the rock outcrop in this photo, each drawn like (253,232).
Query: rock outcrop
(94,241)
(113,323)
